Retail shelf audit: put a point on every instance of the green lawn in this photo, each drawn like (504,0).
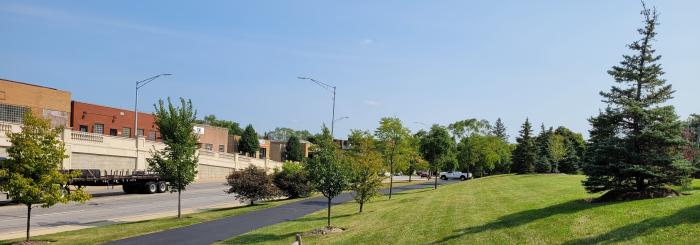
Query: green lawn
(113,232)
(530,209)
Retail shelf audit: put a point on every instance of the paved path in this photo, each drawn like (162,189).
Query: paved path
(111,207)
(222,229)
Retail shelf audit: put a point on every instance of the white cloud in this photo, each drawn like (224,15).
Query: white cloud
(367,41)
(372,103)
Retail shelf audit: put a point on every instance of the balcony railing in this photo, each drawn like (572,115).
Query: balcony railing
(87,137)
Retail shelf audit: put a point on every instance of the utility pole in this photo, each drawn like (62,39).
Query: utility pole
(135,131)
(331,89)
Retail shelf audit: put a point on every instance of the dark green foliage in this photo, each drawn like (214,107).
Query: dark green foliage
(328,173)
(500,130)
(544,159)
(570,163)
(525,153)
(233,127)
(438,149)
(293,151)
(293,180)
(251,184)
(177,163)
(249,143)
(636,142)
(283,134)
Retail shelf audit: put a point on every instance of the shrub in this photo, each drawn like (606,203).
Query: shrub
(293,180)
(251,184)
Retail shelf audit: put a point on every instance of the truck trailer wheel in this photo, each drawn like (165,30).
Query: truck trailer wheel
(128,188)
(151,187)
(162,186)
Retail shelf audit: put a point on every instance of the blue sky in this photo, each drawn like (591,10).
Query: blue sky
(422,61)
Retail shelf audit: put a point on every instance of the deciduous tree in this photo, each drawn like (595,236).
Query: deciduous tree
(251,184)
(366,163)
(392,137)
(328,173)
(177,162)
(437,148)
(30,174)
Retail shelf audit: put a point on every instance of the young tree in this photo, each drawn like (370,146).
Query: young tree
(636,141)
(292,151)
(366,163)
(293,180)
(327,171)
(392,137)
(31,174)
(557,151)
(252,184)
(437,148)
(249,143)
(177,162)
(500,130)
(413,157)
(525,153)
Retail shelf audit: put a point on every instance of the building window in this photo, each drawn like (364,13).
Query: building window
(208,147)
(222,148)
(83,128)
(113,131)
(126,132)
(152,135)
(98,128)
(139,132)
(263,153)
(12,113)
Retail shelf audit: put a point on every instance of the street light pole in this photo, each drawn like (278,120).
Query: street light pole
(140,84)
(331,89)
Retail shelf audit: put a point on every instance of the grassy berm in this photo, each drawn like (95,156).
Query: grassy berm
(508,209)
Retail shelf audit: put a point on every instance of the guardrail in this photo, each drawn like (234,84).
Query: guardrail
(88,137)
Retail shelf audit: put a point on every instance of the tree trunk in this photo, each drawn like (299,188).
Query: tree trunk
(409,178)
(179,195)
(361,204)
(329,212)
(29,217)
(436,178)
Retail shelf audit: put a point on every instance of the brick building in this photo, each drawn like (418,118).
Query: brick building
(16,98)
(111,121)
(211,138)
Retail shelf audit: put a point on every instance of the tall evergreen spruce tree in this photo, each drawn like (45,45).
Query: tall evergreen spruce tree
(500,130)
(249,143)
(292,151)
(636,141)
(544,161)
(525,153)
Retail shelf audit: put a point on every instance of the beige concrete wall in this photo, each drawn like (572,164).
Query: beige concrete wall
(96,151)
(104,162)
(207,172)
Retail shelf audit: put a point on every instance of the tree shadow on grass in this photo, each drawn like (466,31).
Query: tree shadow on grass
(260,238)
(310,219)
(689,215)
(524,217)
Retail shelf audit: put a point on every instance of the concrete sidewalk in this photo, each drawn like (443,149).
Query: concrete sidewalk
(222,229)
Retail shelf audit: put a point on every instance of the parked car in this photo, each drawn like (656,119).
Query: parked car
(455,175)
(423,174)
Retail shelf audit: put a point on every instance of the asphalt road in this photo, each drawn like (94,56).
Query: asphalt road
(110,206)
(219,230)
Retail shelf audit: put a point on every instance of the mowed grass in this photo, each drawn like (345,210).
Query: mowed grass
(118,231)
(509,209)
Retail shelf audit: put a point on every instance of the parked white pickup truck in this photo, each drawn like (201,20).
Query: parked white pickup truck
(455,175)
